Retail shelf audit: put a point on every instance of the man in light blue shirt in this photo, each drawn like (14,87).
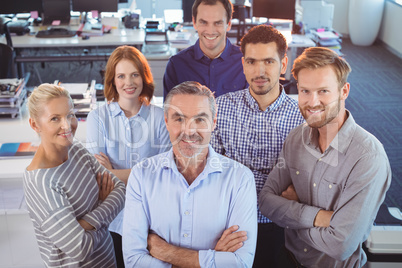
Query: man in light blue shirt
(190,207)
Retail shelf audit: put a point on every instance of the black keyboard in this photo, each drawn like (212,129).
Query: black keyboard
(55,33)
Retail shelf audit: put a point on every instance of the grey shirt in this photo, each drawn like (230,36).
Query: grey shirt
(350,178)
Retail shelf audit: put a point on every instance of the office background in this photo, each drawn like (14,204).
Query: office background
(375,100)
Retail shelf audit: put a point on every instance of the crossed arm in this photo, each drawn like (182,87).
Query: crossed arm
(230,241)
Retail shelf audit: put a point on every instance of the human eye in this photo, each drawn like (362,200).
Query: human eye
(219,23)
(179,119)
(250,62)
(71,115)
(269,62)
(54,119)
(199,120)
(324,91)
(136,74)
(120,76)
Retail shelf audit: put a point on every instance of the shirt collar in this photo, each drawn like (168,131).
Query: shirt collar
(115,110)
(224,55)
(342,139)
(277,103)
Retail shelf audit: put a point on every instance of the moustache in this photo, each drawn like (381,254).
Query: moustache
(260,78)
(194,137)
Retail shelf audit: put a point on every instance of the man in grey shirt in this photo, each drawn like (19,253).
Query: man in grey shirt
(331,176)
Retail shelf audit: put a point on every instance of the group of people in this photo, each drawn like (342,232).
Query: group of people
(252,178)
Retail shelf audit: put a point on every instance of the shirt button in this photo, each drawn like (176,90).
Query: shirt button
(185,235)
(330,186)
(188,191)
(297,172)
(305,250)
(320,159)
(314,185)
(187,212)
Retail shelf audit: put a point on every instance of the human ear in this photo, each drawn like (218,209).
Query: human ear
(345,91)
(34,125)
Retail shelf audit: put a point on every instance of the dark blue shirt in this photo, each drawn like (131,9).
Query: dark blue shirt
(221,75)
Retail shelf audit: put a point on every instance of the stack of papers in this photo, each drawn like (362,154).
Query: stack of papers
(83,95)
(329,39)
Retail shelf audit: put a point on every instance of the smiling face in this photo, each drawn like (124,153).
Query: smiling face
(190,122)
(321,102)
(127,80)
(262,67)
(212,25)
(57,123)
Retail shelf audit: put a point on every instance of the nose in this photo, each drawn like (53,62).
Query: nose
(189,128)
(313,100)
(129,80)
(65,123)
(260,68)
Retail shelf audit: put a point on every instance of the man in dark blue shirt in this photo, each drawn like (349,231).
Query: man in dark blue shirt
(212,61)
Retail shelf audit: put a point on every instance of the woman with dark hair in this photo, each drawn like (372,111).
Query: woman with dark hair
(127,128)
(71,198)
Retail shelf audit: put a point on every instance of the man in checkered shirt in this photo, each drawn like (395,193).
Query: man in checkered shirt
(253,123)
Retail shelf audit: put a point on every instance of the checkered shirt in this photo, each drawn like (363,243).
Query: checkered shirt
(251,136)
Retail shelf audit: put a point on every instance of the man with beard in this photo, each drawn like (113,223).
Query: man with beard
(212,61)
(190,207)
(253,123)
(334,177)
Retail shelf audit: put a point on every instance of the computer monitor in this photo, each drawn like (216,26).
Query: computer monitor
(99,5)
(56,12)
(20,6)
(274,9)
(187,6)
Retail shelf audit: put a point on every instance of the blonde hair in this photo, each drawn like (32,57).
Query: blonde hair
(318,57)
(42,95)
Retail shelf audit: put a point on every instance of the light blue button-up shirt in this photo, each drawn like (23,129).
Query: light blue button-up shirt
(159,199)
(126,141)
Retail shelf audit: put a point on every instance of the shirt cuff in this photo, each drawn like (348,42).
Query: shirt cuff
(206,257)
(308,215)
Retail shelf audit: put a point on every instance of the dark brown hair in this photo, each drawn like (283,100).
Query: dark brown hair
(138,59)
(226,4)
(265,34)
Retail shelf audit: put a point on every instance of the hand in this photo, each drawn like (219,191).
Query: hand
(104,160)
(155,244)
(323,218)
(231,240)
(105,185)
(290,193)
(84,224)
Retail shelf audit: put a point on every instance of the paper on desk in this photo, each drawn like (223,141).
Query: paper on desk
(75,88)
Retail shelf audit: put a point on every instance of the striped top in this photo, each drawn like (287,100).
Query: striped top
(58,197)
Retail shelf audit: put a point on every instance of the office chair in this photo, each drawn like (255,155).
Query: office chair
(7,54)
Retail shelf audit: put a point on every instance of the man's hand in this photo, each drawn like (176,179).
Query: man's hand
(103,160)
(323,218)
(290,193)
(231,240)
(84,224)
(105,185)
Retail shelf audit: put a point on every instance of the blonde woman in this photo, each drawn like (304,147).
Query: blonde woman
(71,198)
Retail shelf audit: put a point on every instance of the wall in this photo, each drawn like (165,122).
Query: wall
(390,31)
(341,13)
(390,27)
